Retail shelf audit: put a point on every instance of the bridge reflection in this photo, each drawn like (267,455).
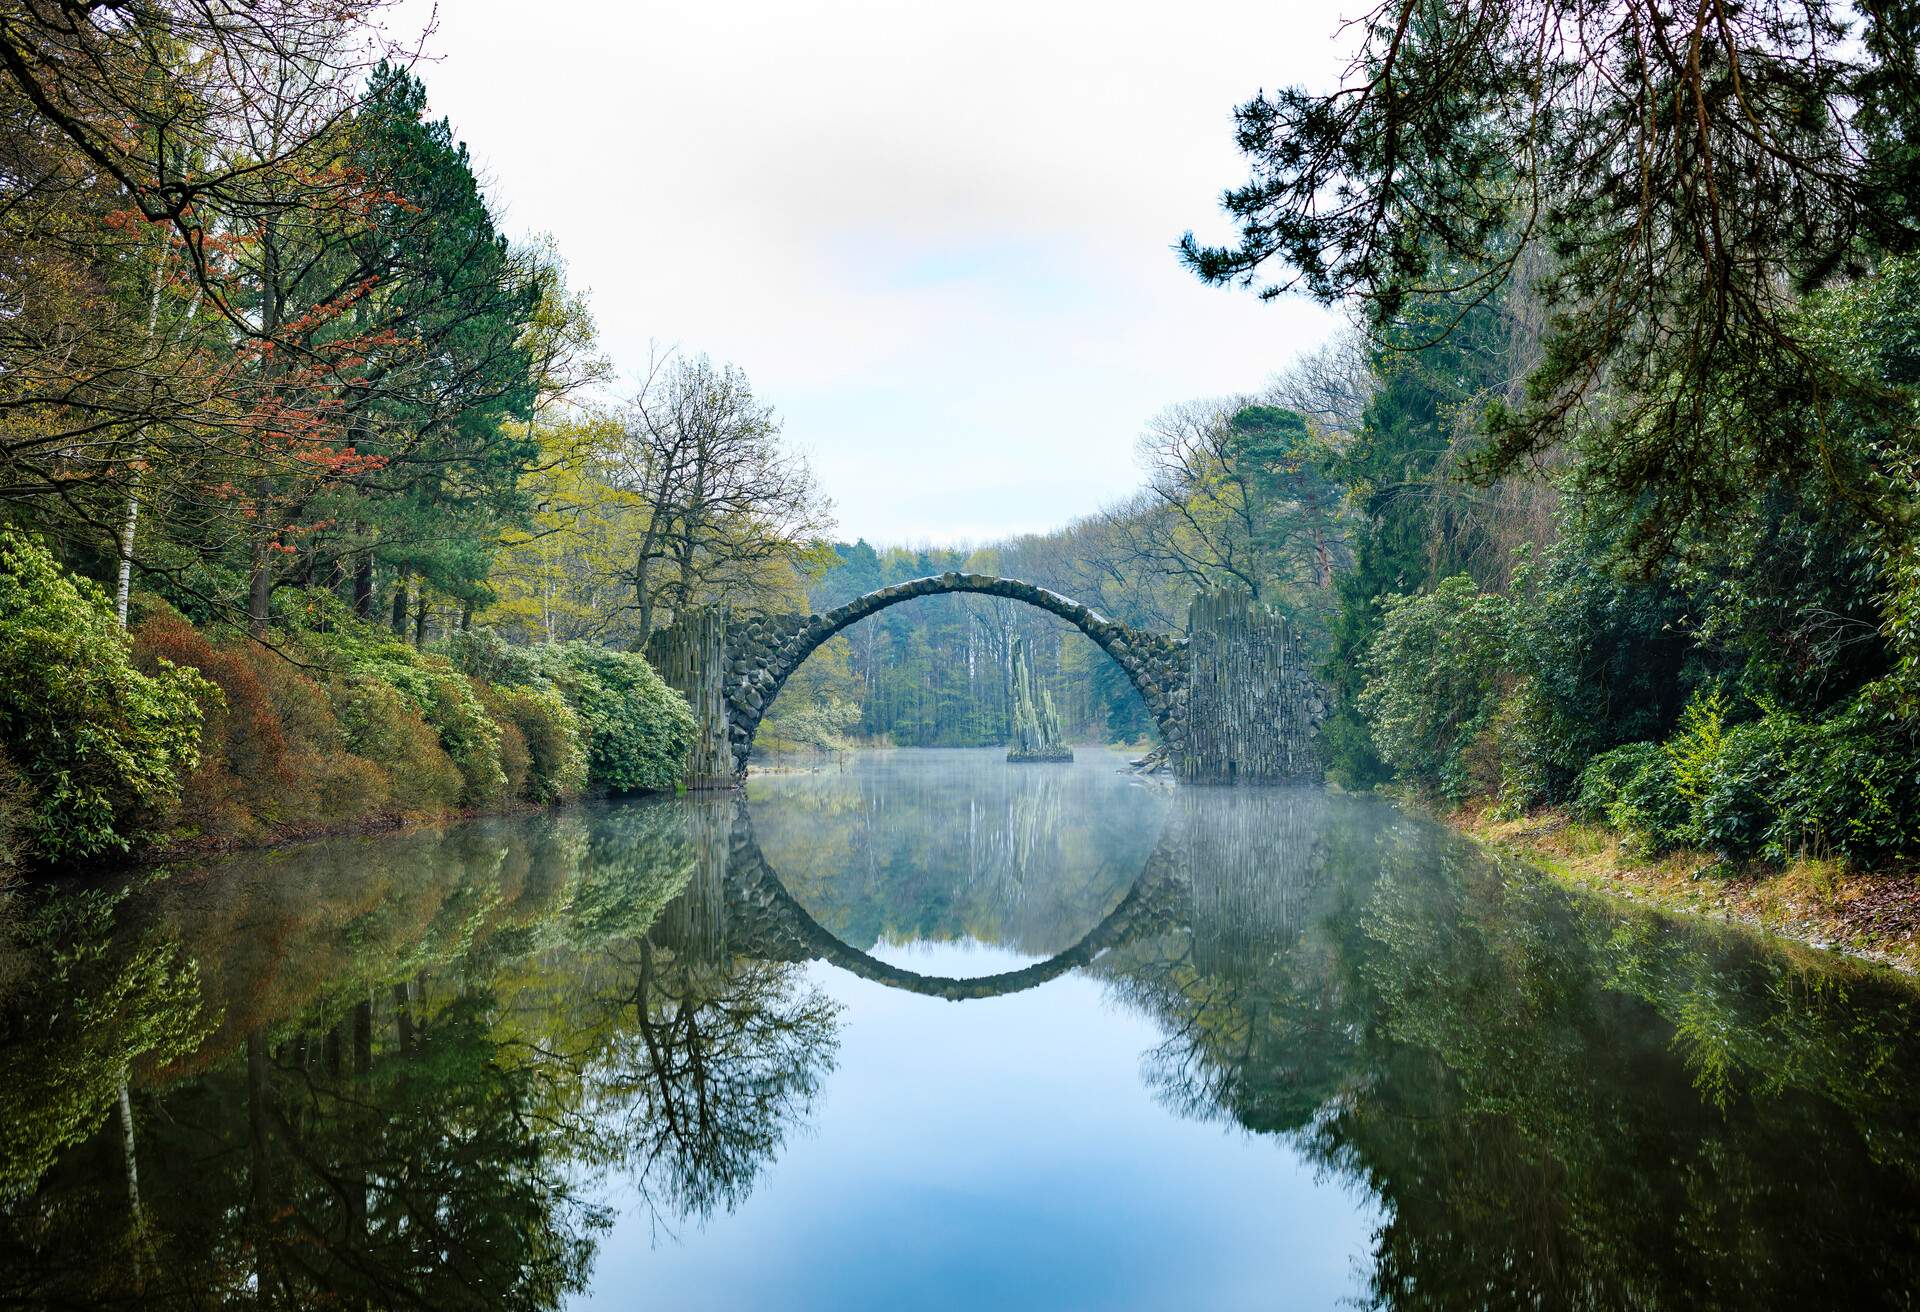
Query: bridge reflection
(1236,874)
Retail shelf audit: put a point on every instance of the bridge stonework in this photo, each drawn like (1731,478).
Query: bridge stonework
(1247,717)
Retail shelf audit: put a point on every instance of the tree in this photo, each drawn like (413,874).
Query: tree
(1236,495)
(719,1064)
(1669,181)
(1330,386)
(452,316)
(562,574)
(723,500)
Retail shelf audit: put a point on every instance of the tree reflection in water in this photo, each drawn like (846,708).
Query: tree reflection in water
(1557,1103)
(718,1063)
(407,1072)
(426,1125)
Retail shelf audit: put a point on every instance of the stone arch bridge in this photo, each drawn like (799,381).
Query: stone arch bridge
(1233,699)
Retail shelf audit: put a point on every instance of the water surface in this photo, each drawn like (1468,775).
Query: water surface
(935,1031)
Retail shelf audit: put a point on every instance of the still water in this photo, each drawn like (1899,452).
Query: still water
(932,1031)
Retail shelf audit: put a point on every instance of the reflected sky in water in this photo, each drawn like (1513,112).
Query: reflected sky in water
(1014,1161)
(931,1030)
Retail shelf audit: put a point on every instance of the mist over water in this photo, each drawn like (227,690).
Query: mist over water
(925,1029)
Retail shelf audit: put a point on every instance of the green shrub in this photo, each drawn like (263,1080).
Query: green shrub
(637,729)
(381,725)
(1633,789)
(1525,753)
(1845,786)
(1435,675)
(483,654)
(612,715)
(15,805)
(1737,816)
(555,744)
(469,735)
(1603,780)
(1604,651)
(1852,789)
(102,746)
(447,699)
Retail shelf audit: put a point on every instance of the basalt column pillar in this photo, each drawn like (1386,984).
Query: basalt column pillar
(691,657)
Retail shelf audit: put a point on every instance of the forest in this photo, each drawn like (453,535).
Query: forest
(321,503)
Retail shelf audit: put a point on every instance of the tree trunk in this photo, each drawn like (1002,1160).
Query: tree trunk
(130,523)
(363,585)
(127,1150)
(260,585)
(420,619)
(398,620)
(259,1160)
(356,1180)
(129,526)
(260,580)
(403,1018)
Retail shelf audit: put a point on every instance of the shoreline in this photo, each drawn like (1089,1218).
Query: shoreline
(1869,916)
(190,851)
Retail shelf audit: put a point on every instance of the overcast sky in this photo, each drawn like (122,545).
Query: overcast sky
(936,236)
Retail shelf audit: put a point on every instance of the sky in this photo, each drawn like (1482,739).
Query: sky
(935,236)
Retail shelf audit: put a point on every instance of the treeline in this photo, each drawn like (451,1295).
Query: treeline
(287,425)
(169,733)
(939,673)
(377,1025)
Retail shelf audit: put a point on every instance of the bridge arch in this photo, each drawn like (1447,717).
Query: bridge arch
(1144,904)
(762,654)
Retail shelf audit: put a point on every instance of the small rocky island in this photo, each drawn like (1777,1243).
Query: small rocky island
(1036,725)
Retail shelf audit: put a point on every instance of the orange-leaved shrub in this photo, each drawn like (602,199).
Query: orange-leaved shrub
(274,761)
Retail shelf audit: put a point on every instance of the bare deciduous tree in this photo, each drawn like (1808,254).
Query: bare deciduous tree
(1330,385)
(724,499)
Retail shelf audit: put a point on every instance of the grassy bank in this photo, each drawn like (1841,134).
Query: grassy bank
(1875,915)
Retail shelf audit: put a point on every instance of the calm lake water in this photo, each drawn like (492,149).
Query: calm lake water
(933,1031)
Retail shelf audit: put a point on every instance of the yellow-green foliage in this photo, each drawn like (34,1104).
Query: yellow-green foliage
(384,727)
(100,745)
(637,729)
(631,730)
(88,1015)
(554,742)
(349,647)
(1696,743)
(819,709)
